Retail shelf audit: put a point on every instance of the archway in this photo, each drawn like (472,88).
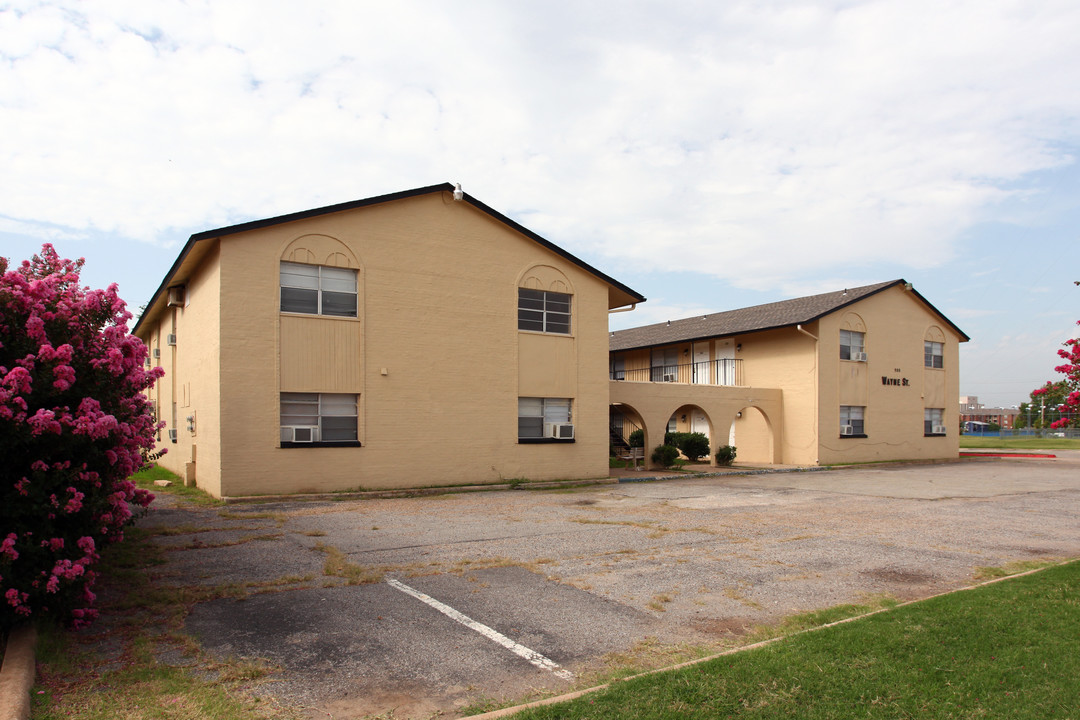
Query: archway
(751,433)
(623,422)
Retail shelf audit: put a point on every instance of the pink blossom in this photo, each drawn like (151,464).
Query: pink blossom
(7,547)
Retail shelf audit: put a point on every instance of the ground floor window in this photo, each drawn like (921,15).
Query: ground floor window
(545,419)
(318,418)
(934,421)
(852,422)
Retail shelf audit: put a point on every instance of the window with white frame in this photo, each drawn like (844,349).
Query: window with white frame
(934,421)
(933,354)
(544,311)
(318,418)
(536,414)
(852,420)
(318,290)
(852,345)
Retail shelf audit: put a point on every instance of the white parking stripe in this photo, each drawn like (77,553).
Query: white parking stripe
(494,635)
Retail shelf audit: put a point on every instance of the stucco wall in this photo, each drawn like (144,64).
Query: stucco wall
(191,378)
(440,362)
(896,323)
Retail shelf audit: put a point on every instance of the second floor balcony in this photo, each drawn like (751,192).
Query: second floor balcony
(727,372)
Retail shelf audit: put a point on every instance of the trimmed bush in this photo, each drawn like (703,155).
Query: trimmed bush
(665,455)
(725,455)
(637,438)
(694,445)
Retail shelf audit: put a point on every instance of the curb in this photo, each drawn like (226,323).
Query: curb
(17,674)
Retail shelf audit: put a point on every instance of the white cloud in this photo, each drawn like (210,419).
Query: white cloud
(772,145)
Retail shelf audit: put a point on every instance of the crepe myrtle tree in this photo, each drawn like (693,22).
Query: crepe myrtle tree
(74,426)
(1070,408)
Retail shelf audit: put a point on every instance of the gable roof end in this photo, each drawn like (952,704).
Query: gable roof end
(619,294)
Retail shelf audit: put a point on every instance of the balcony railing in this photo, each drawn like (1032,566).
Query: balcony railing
(713,372)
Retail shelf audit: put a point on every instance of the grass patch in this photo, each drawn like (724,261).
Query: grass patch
(337,566)
(1013,568)
(145,479)
(141,621)
(1019,443)
(998,650)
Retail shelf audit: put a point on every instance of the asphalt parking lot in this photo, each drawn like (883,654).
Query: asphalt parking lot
(430,604)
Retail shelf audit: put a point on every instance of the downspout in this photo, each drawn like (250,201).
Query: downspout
(817,391)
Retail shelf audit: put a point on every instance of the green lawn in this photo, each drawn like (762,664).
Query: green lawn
(1006,650)
(1019,443)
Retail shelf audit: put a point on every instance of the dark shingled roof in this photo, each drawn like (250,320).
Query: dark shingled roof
(786,313)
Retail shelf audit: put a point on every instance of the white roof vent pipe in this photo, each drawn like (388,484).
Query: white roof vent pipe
(458,194)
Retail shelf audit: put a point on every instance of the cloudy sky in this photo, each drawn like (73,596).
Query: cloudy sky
(711,155)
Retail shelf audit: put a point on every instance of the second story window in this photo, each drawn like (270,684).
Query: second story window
(544,311)
(318,290)
(852,345)
(934,354)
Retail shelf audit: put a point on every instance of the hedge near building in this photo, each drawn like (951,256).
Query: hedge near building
(74,426)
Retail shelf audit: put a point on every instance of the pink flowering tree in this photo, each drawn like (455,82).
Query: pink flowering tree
(74,426)
(1070,409)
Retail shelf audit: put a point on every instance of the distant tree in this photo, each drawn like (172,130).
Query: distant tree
(74,426)
(1046,403)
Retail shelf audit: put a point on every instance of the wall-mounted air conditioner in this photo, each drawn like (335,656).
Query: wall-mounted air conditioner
(303,433)
(157,353)
(176,296)
(172,435)
(559,431)
(847,430)
(940,430)
(670,377)
(858,357)
(171,339)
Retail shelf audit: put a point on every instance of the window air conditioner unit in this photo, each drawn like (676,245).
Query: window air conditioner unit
(157,353)
(172,435)
(304,434)
(939,430)
(858,357)
(847,430)
(176,296)
(670,377)
(171,339)
(559,431)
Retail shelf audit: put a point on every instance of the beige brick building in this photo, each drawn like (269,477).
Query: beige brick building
(411,339)
(860,374)
(422,338)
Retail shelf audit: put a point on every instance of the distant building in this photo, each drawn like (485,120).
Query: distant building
(972,411)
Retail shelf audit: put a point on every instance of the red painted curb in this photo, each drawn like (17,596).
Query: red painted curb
(1016,455)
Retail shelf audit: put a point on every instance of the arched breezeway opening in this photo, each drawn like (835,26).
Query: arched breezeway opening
(752,434)
(692,418)
(626,428)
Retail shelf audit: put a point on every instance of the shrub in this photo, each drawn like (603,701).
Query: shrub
(74,426)
(665,455)
(725,455)
(694,445)
(637,438)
